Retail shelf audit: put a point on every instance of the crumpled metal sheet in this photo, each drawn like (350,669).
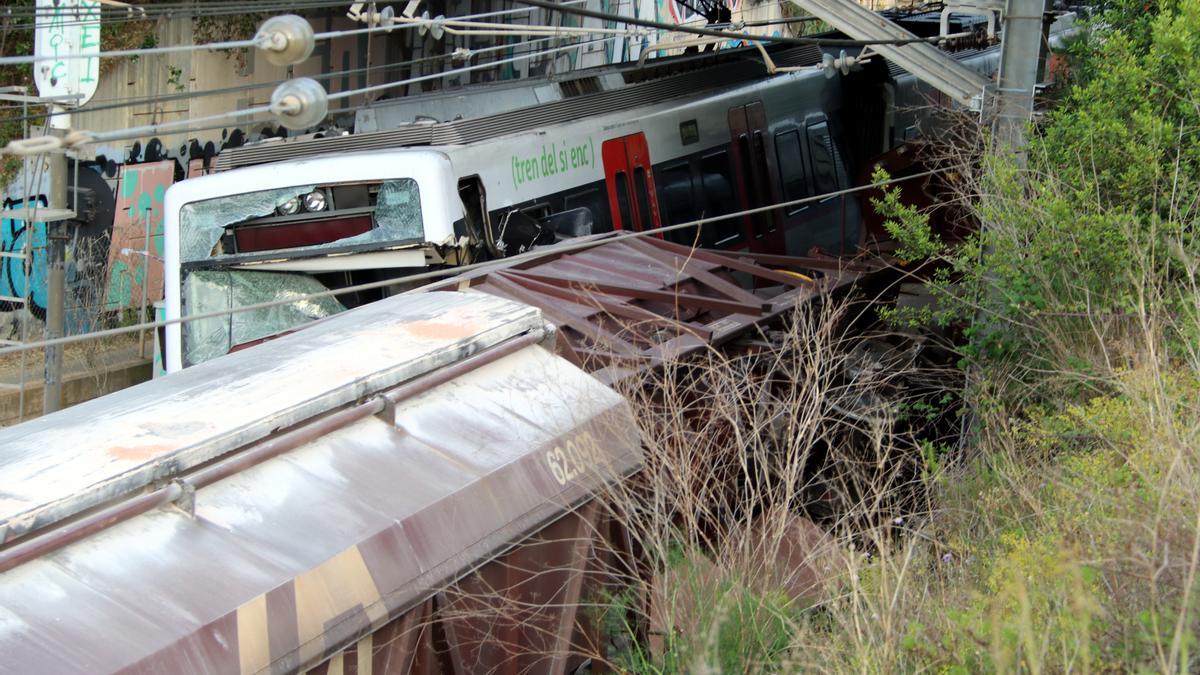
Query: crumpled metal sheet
(207,291)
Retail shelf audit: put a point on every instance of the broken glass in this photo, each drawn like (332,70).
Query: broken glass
(218,290)
(202,223)
(397,212)
(397,217)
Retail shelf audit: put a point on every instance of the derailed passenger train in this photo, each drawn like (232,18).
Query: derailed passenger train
(623,148)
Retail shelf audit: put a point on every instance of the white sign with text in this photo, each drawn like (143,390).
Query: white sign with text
(68,34)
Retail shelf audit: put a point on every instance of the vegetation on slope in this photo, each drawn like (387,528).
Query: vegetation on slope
(1063,533)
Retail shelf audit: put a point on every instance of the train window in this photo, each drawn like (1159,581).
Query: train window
(824,158)
(623,200)
(592,200)
(791,169)
(643,197)
(717,187)
(677,195)
(536,211)
(762,188)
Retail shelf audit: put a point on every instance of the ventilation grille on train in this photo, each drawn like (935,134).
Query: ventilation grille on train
(413,134)
(579,87)
(727,74)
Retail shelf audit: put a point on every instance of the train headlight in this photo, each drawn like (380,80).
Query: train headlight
(315,201)
(290,207)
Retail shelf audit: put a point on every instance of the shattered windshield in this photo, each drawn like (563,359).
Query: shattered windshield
(396,217)
(219,290)
(202,223)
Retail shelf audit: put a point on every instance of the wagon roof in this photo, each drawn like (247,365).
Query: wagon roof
(291,560)
(66,462)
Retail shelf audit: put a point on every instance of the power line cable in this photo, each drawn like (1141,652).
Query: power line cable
(115,104)
(153,12)
(132,101)
(257,40)
(80,137)
(564,247)
(730,35)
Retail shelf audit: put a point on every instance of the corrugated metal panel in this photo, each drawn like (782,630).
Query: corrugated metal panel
(628,305)
(418,134)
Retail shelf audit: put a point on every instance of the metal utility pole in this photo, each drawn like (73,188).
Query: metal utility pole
(56,234)
(1020,55)
(67,31)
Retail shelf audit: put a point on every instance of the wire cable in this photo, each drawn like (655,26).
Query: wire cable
(730,35)
(81,137)
(113,104)
(564,247)
(116,104)
(257,41)
(153,12)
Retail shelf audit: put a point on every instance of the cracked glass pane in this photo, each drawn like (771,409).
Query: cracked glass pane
(218,290)
(202,223)
(397,214)
(397,218)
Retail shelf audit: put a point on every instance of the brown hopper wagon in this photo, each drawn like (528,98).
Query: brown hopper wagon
(408,486)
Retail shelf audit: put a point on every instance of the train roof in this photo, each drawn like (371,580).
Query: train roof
(591,92)
(366,165)
(631,88)
(280,563)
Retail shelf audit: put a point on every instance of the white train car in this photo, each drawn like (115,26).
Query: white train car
(689,138)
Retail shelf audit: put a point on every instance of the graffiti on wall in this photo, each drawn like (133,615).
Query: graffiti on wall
(23,252)
(106,269)
(17,239)
(135,257)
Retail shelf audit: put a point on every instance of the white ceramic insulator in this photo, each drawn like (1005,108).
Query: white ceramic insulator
(286,40)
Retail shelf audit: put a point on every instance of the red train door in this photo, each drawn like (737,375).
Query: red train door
(757,176)
(628,173)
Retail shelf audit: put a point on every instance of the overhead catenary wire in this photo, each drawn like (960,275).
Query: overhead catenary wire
(731,35)
(198,10)
(74,138)
(258,40)
(432,76)
(508,29)
(99,105)
(156,11)
(116,104)
(79,137)
(564,247)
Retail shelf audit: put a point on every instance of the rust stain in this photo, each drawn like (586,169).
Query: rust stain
(137,452)
(441,330)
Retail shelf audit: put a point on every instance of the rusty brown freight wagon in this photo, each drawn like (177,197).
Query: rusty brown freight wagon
(348,498)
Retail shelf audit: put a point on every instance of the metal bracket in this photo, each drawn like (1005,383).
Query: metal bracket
(186,501)
(984,8)
(388,413)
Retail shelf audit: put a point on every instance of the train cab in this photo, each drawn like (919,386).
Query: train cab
(265,233)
